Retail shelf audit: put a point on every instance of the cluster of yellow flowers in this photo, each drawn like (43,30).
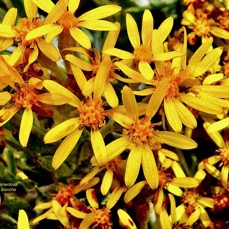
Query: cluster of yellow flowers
(127,115)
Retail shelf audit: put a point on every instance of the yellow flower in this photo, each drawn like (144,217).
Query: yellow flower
(201,22)
(91,114)
(140,137)
(64,200)
(101,69)
(61,18)
(29,49)
(177,220)
(23,221)
(26,95)
(99,217)
(114,170)
(216,162)
(144,52)
(182,85)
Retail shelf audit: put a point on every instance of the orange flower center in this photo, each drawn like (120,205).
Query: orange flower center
(224,153)
(64,195)
(221,200)
(26,96)
(142,132)
(25,26)
(102,218)
(113,164)
(143,53)
(164,178)
(92,114)
(68,20)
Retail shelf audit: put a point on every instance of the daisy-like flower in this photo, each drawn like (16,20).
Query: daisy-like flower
(176,219)
(218,165)
(101,216)
(201,21)
(91,115)
(194,204)
(64,199)
(143,54)
(26,96)
(100,64)
(61,18)
(23,221)
(183,85)
(26,51)
(114,169)
(140,137)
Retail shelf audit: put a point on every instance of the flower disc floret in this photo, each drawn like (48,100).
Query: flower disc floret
(143,53)
(26,96)
(102,218)
(64,195)
(23,28)
(92,114)
(68,20)
(224,153)
(142,132)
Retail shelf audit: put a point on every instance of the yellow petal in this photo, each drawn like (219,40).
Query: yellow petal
(185,115)
(201,104)
(146,70)
(79,76)
(32,57)
(198,55)
(193,217)
(54,32)
(87,221)
(101,77)
(224,176)
(23,221)
(106,182)
(73,5)
(79,63)
(98,25)
(10,16)
(90,175)
(204,217)
(76,213)
(54,87)
(126,220)
(175,190)
(7,113)
(122,119)
(46,5)
(219,32)
(147,27)
(219,125)
(91,198)
(99,148)
(53,99)
(132,31)
(16,55)
(157,98)
(164,220)
(177,140)
(134,191)
(65,148)
(115,196)
(6,31)
(5,97)
(63,129)
(122,54)
(39,32)
(150,167)
(49,50)
(185,182)
(116,147)
(56,12)
(26,126)
(129,102)
(110,94)
(60,213)
(30,9)
(165,28)
(81,37)
(133,165)
(100,12)
(172,115)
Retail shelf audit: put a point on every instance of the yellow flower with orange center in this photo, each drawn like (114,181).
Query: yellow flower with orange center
(19,33)
(61,18)
(26,95)
(144,52)
(140,137)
